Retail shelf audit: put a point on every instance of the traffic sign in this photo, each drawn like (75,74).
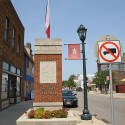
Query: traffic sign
(109,51)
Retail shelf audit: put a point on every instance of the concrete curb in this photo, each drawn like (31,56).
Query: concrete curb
(115,95)
(95,120)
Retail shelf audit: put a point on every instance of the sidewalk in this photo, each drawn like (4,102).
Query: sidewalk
(95,120)
(11,114)
(115,95)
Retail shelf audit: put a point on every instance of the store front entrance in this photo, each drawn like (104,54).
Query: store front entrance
(12,86)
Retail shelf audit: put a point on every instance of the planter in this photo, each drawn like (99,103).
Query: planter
(70,120)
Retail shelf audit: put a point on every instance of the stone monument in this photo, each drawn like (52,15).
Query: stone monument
(48,73)
(48,83)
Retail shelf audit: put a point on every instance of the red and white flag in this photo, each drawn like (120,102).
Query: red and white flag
(47,20)
(74,51)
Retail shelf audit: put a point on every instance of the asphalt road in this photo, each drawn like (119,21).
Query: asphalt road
(100,105)
(11,114)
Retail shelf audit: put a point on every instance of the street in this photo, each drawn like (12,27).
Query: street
(11,114)
(100,105)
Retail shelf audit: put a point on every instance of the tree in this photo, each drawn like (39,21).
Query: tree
(64,83)
(100,79)
(71,78)
(70,83)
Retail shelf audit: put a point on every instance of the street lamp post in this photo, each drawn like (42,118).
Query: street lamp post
(82,35)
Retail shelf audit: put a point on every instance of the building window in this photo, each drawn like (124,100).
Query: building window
(32,70)
(4,87)
(27,62)
(18,46)
(12,69)
(5,66)
(18,87)
(121,67)
(18,72)
(13,37)
(6,35)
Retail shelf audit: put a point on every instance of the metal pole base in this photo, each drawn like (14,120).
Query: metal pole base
(86,117)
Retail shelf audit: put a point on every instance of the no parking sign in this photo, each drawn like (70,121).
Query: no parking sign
(109,51)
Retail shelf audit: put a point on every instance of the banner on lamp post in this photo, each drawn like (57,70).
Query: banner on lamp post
(107,78)
(74,52)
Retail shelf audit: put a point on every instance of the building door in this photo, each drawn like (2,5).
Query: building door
(12,93)
(117,89)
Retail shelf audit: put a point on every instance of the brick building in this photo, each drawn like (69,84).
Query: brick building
(119,74)
(29,72)
(11,55)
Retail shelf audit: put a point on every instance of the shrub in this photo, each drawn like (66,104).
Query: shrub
(41,113)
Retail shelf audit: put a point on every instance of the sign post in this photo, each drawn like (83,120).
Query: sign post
(111,95)
(110,52)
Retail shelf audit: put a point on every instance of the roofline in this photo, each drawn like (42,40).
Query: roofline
(25,52)
(16,13)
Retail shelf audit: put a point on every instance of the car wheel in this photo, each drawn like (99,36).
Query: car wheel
(63,105)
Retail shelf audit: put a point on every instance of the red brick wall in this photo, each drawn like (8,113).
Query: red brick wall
(121,88)
(48,92)
(9,54)
(119,75)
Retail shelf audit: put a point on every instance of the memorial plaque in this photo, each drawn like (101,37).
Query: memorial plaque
(47,72)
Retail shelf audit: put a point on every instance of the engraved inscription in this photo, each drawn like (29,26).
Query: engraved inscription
(47,72)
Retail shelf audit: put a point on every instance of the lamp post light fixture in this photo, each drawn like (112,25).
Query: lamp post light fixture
(82,35)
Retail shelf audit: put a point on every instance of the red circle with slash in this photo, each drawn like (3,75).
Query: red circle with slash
(104,47)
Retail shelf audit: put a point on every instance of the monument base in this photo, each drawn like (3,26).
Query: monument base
(70,120)
(48,105)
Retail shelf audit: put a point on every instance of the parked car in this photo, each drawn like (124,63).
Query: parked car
(79,89)
(69,98)
(74,91)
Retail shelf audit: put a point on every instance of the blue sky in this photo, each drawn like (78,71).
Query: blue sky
(100,17)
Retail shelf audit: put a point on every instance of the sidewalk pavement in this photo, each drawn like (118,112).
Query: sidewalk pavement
(115,95)
(95,120)
(11,114)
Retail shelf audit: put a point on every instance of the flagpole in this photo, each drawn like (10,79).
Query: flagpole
(47,20)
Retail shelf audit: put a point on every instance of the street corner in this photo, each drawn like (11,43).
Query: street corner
(77,114)
(98,121)
(119,95)
(95,119)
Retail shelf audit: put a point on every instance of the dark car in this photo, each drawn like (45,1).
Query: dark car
(69,98)
(79,89)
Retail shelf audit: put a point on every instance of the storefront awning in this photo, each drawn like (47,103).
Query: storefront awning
(123,80)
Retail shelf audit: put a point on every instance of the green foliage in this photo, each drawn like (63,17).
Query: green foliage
(70,82)
(64,83)
(39,113)
(100,77)
(71,78)
(47,114)
(59,113)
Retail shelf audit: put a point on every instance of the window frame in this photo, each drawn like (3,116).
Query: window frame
(18,45)
(6,32)
(13,37)
(4,87)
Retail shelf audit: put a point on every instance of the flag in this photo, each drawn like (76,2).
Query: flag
(47,20)
(74,51)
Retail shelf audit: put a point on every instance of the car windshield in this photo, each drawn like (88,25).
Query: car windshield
(67,93)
